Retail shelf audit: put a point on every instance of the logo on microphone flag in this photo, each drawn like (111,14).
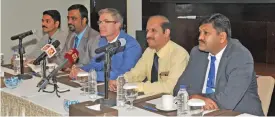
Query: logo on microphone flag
(49,50)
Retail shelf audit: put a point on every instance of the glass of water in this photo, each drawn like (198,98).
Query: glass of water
(130,93)
(92,84)
(16,66)
(82,78)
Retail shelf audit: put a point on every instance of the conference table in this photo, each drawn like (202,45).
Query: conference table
(26,100)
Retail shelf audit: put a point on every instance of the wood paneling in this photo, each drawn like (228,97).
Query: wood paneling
(253,35)
(270,53)
(186,33)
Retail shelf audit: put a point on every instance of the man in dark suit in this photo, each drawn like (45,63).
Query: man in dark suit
(221,70)
(81,36)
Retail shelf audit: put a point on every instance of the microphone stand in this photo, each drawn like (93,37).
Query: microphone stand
(45,81)
(55,86)
(44,68)
(21,52)
(107,66)
(107,70)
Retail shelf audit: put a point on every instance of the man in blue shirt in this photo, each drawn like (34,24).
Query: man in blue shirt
(110,24)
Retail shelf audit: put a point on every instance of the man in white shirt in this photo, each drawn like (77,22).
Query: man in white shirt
(221,70)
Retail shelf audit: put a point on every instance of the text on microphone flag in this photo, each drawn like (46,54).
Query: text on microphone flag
(49,50)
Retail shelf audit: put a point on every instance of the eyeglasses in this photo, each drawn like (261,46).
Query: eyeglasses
(106,22)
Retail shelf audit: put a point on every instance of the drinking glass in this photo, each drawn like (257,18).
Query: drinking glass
(130,95)
(82,78)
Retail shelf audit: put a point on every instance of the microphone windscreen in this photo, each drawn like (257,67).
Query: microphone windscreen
(71,55)
(56,43)
(122,41)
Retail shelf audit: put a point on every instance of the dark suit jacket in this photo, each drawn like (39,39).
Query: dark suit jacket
(236,84)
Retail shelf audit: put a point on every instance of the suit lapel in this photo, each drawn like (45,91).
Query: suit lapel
(223,61)
(72,40)
(204,65)
(84,39)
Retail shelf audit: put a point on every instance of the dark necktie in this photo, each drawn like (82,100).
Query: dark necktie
(154,71)
(50,40)
(211,77)
(76,42)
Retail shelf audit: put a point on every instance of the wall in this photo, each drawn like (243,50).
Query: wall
(18,16)
(252,24)
(134,16)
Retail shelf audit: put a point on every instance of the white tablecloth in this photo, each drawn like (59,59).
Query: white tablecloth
(28,91)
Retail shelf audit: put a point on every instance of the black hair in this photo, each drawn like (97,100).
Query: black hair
(82,9)
(54,14)
(220,22)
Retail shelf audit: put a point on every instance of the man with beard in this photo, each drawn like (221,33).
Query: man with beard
(81,36)
(221,70)
(125,57)
(162,62)
(51,27)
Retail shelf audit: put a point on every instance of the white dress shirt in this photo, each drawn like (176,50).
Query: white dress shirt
(114,39)
(217,62)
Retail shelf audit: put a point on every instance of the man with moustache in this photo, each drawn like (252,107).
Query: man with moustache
(221,70)
(81,36)
(162,62)
(51,27)
(110,24)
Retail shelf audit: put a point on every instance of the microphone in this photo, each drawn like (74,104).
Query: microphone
(70,56)
(22,35)
(118,43)
(48,50)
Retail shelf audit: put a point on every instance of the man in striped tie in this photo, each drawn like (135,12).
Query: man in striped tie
(221,70)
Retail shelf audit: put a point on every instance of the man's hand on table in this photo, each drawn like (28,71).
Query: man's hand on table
(74,71)
(209,103)
(112,85)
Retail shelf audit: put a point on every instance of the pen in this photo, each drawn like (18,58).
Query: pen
(100,93)
(149,108)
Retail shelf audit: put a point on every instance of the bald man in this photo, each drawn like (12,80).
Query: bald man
(161,64)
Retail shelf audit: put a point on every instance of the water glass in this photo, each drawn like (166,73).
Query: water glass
(16,66)
(196,107)
(92,84)
(130,94)
(120,98)
(82,78)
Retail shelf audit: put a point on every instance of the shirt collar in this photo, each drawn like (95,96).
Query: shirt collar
(218,56)
(164,50)
(80,35)
(114,39)
(55,34)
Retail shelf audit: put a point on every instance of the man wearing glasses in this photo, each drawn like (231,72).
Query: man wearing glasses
(110,24)
(81,37)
